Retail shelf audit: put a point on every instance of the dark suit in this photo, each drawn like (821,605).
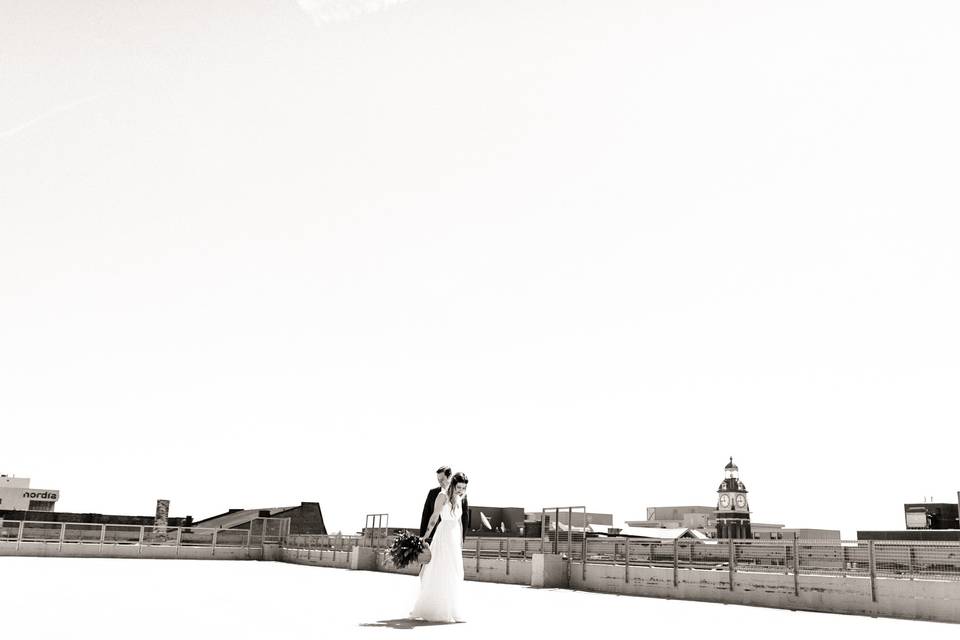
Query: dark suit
(428,511)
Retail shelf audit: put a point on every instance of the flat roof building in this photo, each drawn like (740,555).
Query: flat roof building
(16,495)
(931,515)
(699,518)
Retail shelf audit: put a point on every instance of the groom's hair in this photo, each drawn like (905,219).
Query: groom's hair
(445,471)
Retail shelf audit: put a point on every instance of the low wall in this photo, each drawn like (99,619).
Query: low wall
(93,550)
(910,599)
(316,557)
(489,569)
(895,598)
(928,599)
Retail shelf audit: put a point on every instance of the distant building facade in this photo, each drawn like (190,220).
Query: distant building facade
(16,495)
(90,518)
(925,521)
(931,515)
(545,524)
(697,518)
(762,531)
(494,521)
(565,517)
(912,535)
(730,518)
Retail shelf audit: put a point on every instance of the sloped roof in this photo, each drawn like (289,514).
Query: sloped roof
(600,528)
(236,518)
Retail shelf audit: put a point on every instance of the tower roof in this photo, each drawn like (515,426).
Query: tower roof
(732,484)
(730,464)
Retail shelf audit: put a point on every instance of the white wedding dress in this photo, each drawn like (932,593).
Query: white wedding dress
(441,578)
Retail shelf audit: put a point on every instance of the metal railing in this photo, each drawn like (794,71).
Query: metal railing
(106,536)
(473,547)
(322,547)
(376,530)
(913,560)
(868,559)
(337,542)
(504,547)
(563,537)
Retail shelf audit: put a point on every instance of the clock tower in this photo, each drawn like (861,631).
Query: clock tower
(733,512)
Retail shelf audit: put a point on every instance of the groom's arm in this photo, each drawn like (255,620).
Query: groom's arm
(465,518)
(427,512)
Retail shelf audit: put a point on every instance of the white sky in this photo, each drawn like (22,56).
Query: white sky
(583,250)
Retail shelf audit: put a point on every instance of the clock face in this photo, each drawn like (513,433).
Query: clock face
(741,501)
(724,501)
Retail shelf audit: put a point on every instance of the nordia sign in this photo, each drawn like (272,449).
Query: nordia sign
(40,495)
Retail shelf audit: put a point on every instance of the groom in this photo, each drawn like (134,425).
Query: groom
(443,480)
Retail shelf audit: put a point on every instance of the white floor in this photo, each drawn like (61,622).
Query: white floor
(104,598)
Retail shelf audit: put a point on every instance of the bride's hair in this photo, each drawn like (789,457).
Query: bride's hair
(458,477)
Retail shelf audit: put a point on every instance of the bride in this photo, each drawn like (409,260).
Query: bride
(442,577)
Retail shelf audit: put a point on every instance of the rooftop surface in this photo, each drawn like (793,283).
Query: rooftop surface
(146,599)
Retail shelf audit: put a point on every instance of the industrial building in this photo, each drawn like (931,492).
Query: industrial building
(931,515)
(304,519)
(17,495)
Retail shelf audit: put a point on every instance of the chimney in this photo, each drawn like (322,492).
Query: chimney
(160,520)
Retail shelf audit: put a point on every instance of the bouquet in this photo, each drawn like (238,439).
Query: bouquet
(407,548)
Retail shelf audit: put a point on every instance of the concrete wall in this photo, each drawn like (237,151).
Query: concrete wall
(909,599)
(489,569)
(316,557)
(76,550)
(896,598)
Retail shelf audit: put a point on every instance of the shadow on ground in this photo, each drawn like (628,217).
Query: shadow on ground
(405,623)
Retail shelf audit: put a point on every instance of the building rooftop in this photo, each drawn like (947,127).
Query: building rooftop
(312,602)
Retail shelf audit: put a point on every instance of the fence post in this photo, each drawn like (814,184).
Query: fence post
(140,542)
(786,557)
(63,532)
(570,532)
(556,533)
(508,556)
(19,535)
(478,555)
(215,531)
(796,566)
(873,573)
(583,557)
(103,534)
(676,563)
(179,539)
(733,562)
(626,560)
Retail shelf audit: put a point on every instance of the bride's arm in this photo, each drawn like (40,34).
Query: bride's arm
(437,507)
